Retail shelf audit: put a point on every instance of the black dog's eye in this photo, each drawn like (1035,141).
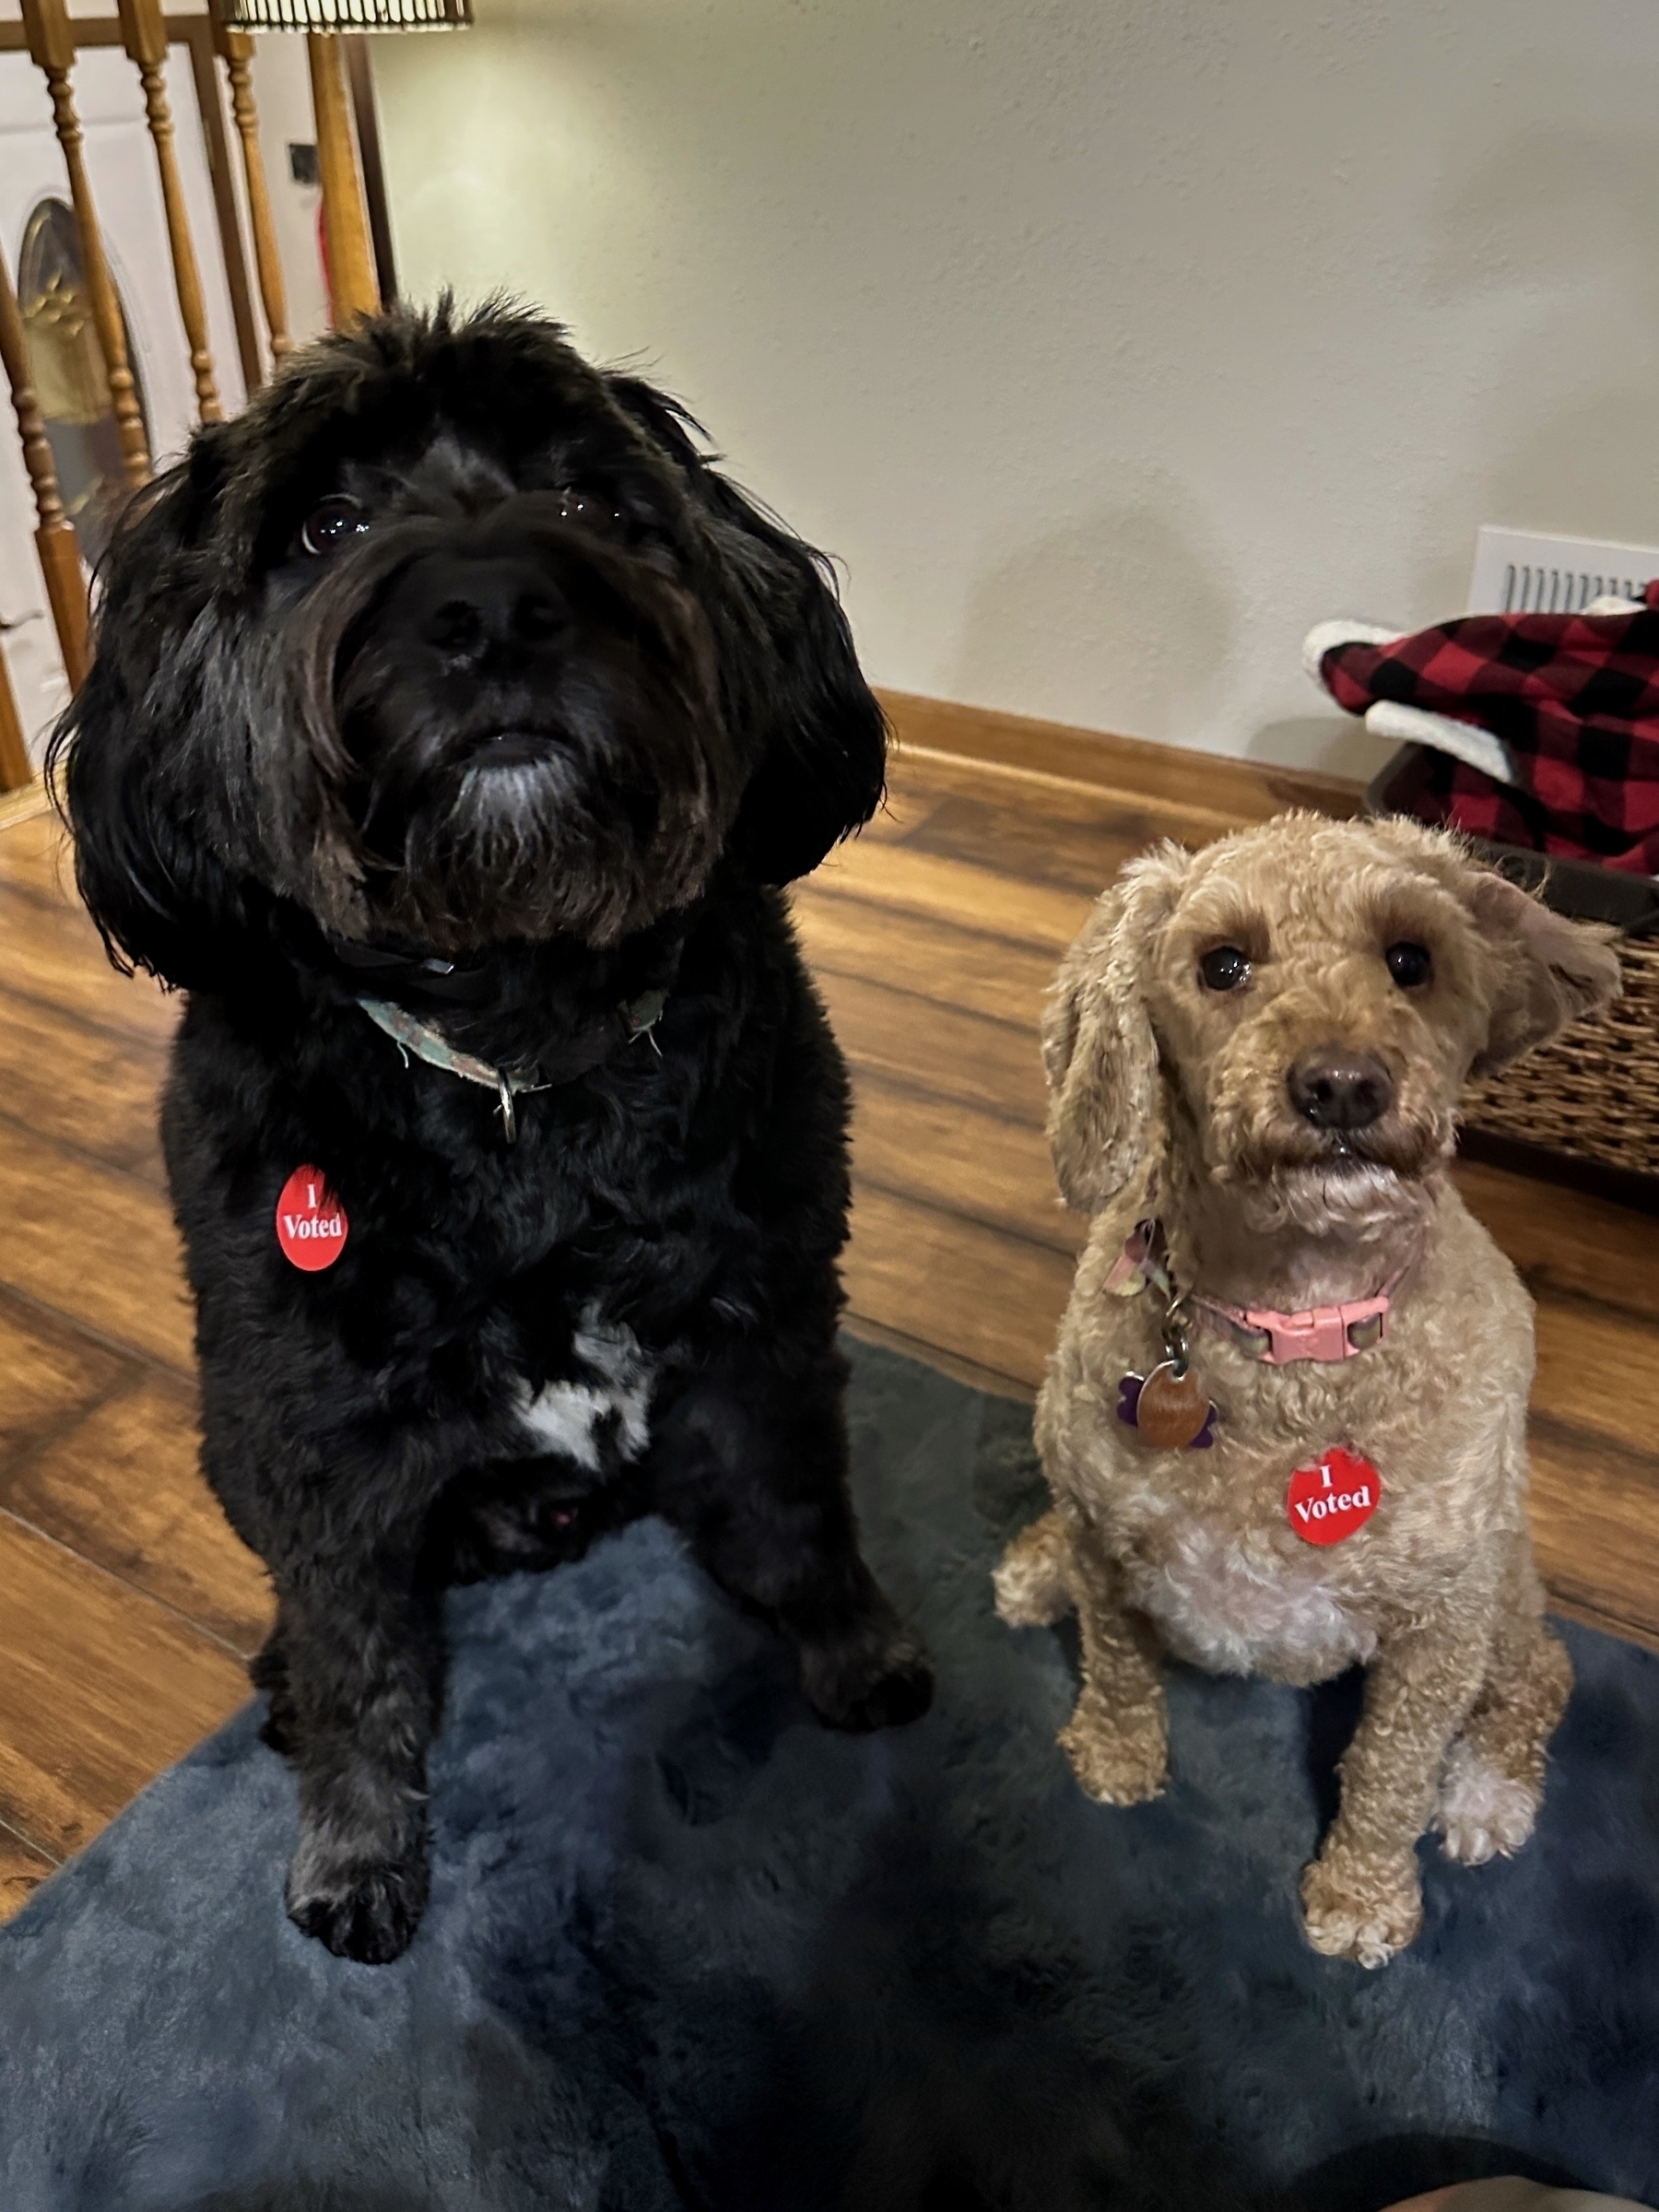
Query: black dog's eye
(330,525)
(1409,964)
(588,510)
(1224,969)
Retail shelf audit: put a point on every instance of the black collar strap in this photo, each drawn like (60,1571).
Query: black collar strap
(449,982)
(622,1026)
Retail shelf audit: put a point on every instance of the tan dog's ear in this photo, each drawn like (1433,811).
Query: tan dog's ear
(1553,971)
(1099,1051)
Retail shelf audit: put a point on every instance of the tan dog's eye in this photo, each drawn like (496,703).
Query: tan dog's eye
(1410,965)
(1224,969)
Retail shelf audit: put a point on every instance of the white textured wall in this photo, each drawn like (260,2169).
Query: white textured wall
(1109,344)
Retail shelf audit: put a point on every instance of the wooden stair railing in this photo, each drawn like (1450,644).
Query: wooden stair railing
(56,544)
(50,40)
(235,49)
(353,286)
(52,37)
(144,34)
(15,768)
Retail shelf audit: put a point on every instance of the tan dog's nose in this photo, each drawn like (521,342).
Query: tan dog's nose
(1338,1089)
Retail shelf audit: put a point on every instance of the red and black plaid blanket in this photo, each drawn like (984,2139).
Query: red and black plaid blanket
(1574,698)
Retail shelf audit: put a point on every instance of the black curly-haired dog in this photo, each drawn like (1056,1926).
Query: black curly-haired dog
(450,680)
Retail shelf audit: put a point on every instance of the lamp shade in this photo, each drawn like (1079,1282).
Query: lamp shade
(343,14)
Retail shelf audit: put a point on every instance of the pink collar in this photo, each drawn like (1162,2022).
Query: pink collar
(1324,1332)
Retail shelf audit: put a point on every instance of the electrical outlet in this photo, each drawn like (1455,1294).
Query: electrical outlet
(1533,572)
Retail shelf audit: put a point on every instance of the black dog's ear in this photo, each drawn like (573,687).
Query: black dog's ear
(160,898)
(822,762)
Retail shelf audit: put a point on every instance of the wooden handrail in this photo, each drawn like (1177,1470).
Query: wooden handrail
(56,544)
(145,37)
(52,48)
(344,220)
(235,49)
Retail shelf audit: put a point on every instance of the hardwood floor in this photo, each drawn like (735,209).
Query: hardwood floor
(127,1607)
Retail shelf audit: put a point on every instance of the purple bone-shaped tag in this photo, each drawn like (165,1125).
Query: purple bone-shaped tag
(1128,1409)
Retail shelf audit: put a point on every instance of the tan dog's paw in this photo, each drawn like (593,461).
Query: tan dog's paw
(1483,1812)
(1030,1580)
(1118,1761)
(1361,1904)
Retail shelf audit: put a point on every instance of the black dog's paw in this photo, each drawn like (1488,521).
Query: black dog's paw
(280,1728)
(868,1684)
(268,1671)
(369,1912)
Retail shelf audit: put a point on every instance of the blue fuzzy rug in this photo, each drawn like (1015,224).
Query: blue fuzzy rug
(685,1949)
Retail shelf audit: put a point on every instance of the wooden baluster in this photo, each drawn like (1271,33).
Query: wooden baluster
(55,542)
(52,48)
(235,49)
(16,769)
(144,35)
(345,220)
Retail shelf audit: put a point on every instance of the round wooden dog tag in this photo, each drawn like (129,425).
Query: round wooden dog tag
(1332,1498)
(1171,1409)
(311,1222)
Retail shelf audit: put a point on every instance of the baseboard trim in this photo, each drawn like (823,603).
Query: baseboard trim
(1213,782)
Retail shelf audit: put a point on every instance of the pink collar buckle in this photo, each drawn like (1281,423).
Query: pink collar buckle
(1324,1333)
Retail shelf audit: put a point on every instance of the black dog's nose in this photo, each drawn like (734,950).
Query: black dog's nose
(1338,1089)
(468,607)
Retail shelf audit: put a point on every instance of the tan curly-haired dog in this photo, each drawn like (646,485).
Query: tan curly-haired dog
(1254,1054)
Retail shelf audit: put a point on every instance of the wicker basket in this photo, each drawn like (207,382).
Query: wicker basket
(1591,1095)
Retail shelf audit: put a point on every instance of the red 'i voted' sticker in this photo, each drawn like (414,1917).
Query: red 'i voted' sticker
(311,1222)
(1332,1498)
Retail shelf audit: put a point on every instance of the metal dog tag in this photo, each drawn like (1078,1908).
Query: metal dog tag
(1162,1406)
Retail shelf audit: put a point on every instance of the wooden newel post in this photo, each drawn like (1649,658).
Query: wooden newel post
(145,37)
(55,542)
(52,48)
(344,218)
(235,49)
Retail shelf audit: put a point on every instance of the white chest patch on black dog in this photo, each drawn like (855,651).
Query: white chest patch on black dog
(603,1416)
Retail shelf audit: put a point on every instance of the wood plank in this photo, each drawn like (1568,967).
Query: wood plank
(954,967)
(940,889)
(1594,1512)
(24,806)
(89,1088)
(924,780)
(962,1161)
(123,1488)
(1598,1372)
(931,1355)
(35,850)
(1071,835)
(976,1292)
(100,1689)
(52,1373)
(54,959)
(1563,1240)
(1038,847)
(22,1870)
(1247,791)
(994,1065)
(96,1244)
